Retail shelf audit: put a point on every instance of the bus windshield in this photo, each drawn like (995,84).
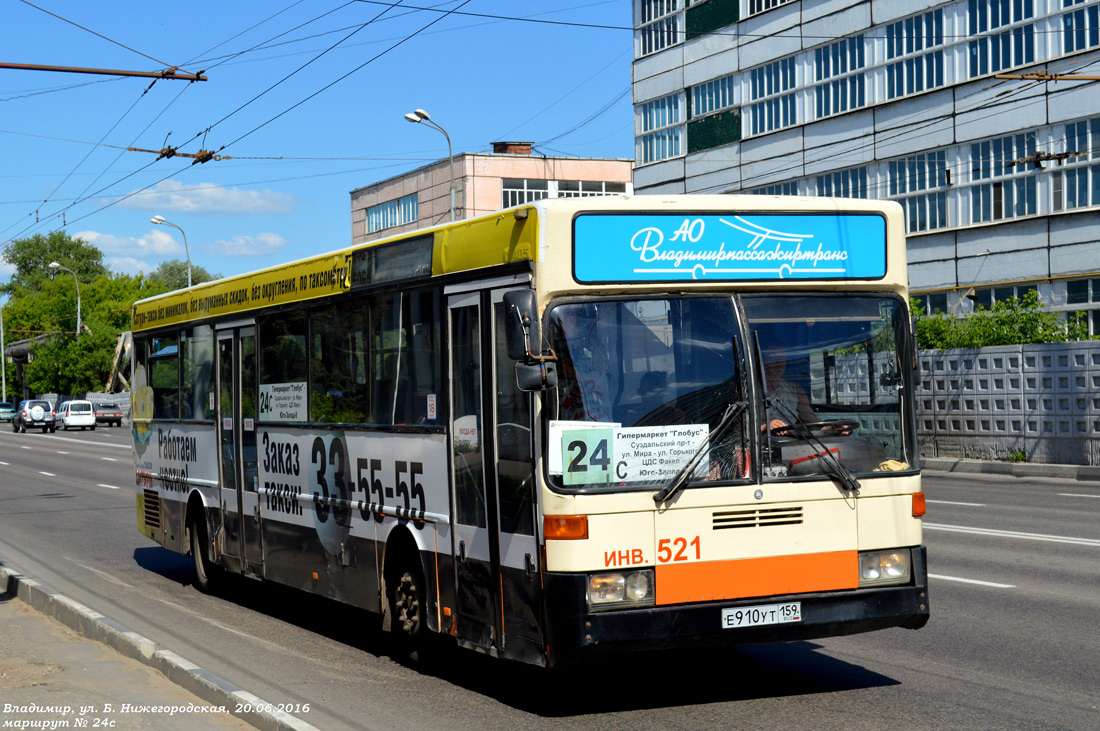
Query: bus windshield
(833,378)
(642,382)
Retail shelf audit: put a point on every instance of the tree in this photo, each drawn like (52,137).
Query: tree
(172,275)
(1013,321)
(31,258)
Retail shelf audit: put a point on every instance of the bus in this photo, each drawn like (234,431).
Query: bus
(566,430)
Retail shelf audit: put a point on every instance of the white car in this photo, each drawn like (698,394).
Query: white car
(77,413)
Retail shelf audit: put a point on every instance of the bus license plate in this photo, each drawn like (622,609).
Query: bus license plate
(764,614)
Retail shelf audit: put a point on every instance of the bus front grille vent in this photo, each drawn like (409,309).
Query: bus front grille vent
(152,508)
(757,518)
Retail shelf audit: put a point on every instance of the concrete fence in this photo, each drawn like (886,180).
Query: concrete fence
(1039,402)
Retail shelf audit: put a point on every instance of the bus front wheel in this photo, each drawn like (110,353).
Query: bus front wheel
(205,570)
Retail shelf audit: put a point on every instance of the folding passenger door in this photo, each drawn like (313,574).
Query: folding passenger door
(237,409)
(495,550)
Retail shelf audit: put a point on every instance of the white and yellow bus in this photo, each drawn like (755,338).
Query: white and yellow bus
(575,427)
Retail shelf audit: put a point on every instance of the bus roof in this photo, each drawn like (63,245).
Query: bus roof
(517,234)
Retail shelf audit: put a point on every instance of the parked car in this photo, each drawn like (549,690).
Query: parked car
(34,413)
(77,414)
(107,414)
(7,411)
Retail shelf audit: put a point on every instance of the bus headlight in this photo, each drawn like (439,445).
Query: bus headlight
(620,590)
(884,568)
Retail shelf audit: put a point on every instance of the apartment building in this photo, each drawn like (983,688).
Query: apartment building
(978,116)
(483,183)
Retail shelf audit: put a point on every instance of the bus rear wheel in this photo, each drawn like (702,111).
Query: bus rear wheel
(408,614)
(205,570)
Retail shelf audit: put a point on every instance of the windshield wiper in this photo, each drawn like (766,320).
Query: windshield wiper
(733,410)
(840,472)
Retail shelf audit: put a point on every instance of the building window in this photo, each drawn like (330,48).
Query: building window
(789,187)
(585,188)
(759,6)
(843,184)
(518,191)
(1011,190)
(660,129)
(1077,291)
(1015,47)
(774,84)
(999,51)
(393,213)
(1077,184)
(661,25)
(987,15)
(844,89)
(935,303)
(912,37)
(713,96)
(1080,28)
(919,184)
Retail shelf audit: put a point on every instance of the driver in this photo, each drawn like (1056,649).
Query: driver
(790,395)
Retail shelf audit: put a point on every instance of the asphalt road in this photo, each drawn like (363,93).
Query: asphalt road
(1013,641)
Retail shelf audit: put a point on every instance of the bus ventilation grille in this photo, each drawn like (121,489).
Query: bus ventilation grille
(758,518)
(152,509)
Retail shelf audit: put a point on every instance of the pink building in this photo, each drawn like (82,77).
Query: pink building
(483,183)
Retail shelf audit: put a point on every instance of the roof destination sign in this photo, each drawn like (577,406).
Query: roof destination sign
(724,247)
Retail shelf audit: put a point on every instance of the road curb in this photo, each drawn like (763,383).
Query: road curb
(1084,473)
(179,670)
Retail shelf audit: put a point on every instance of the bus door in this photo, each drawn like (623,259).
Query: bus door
(514,473)
(476,548)
(240,501)
(496,558)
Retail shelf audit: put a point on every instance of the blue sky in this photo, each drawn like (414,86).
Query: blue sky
(481,75)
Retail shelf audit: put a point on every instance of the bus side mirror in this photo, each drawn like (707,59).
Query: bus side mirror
(521,324)
(540,376)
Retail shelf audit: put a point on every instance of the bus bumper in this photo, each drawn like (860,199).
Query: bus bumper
(575,634)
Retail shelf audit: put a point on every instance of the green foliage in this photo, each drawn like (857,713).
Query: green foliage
(31,258)
(1018,456)
(1014,321)
(41,306)
(172,275)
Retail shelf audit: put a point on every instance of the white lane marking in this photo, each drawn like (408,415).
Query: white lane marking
(1073,494)
(1014,534)
(91,444)
(5,464)
(108,459)
(21,446)
(104,574)
(949,502)
(60,452)
(971,581)
(48,474)
(113,487)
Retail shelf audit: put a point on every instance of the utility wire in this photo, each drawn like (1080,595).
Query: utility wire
(100,35)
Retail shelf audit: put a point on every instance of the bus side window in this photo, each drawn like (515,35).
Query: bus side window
(283,352)
(164,376)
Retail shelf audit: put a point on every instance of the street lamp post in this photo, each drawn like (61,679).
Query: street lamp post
(3,358)
(55,265)
(419,116)
(160,220)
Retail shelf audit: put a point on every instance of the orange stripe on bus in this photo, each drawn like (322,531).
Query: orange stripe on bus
(754,577)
